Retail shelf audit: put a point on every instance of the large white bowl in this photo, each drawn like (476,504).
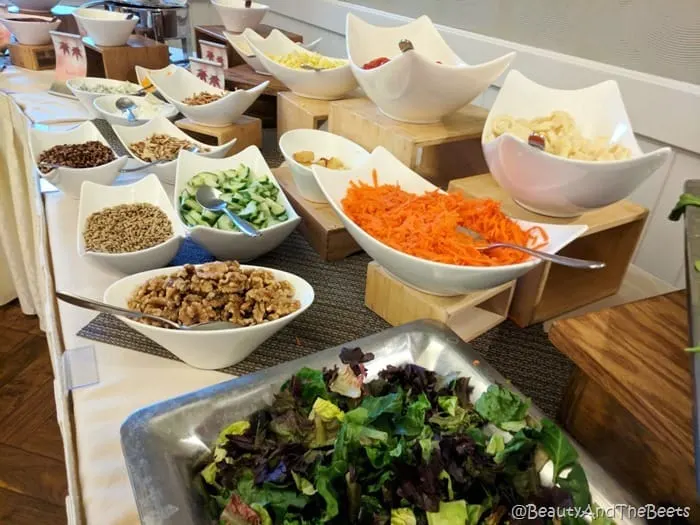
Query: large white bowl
(323,144)
(30,33)
(328,84)
(226,244)
(413,87)
(69,180)
(240,44)
(96,197)
(424,275)
(106,28)
(237,17)
(143,75)
(209,349)
(557,186)
(35,6)
(180,84)
(87,98)
(127,135)
(106,106)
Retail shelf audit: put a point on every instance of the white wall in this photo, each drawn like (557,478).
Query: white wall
(663,111)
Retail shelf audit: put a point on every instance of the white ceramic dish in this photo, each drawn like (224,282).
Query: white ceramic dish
(240,44)
(35,6)
(209,349)
(413,87)
(328,84)
(143,74)
(424,275)
(127,135)
(106,28)
(96,197)
(106,106)
(87,97)
(237,17)
(27,32)
(557,186)
(234,245)
(180,84)
(323,144)
(69,180)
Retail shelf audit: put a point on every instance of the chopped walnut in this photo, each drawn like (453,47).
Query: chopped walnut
(218,291)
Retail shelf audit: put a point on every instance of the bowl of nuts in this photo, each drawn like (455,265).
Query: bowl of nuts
(66,159)
(203,103)
(129,228)
(162,140)
(257,301)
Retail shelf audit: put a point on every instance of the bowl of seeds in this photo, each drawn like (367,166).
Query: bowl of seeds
(131,228)
(162,140)
(68,158)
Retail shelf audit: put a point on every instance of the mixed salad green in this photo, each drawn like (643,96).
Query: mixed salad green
(406,448)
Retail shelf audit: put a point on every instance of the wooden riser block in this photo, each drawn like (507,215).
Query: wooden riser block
(118,62)
(247,130)
(36,58)
(468,316)
(440,152)
(295,112)
(550,290)
(320,225)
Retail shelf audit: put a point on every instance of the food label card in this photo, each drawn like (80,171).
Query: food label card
(214,52)
(70,56)
(210,72)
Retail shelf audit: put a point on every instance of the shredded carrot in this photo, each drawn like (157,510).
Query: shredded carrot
(426,225)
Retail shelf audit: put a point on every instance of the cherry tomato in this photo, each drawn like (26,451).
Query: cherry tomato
(372,64)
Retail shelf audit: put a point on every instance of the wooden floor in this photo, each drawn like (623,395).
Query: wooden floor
(32,473)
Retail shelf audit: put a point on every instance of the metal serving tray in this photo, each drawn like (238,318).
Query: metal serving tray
(164,443)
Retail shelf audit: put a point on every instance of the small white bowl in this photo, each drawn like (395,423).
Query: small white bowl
(214,349)
(237,17)
(35,6)
(143,75)
(426,276)
(70,180)
(180,84)
(558,186)
(412,86)
(240,44)
(96,197)
(30,33)
(106,28)
(323,144)
(127,135)
(107,108)
(328,84)
(87,97)
(234,245)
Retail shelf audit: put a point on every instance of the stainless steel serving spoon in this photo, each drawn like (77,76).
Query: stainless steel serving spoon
(98,306)
(208,198)
(126,105)
(557,259)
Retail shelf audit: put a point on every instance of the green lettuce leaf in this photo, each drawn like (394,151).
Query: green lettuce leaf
(311,384)
(413,421)
(448,404)
(403,516)
(496,445)
(557,447)
(576,484)
(685,200)
(324,486)
(265,518)
(450,513)
(279,499)
(378,406)
(303,485)
(499,405)
(237,428)
(519,446)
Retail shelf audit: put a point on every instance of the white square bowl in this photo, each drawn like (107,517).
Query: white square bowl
(328,84)
(323,144)
(70,180)
(143,75)
(225,245)
(558,186)
(96,197)
(426,276)
(87,97)
(237,17)
(106,106)
(213,349)
(240,44)
(180,84)
(412,86)
(127,135)
(106,28)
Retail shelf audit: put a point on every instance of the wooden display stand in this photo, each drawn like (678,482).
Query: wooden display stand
(440,152)
(248,131)
(215,33)
(295,112)
(320,225)
(118,62)
(244,77)
(550,290)
(468,316)
(36,58)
